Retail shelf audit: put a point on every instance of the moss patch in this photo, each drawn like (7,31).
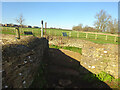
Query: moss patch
(103,76)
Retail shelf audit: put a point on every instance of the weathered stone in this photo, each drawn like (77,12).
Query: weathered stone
(21,62)
(95,54)
(64,82)
(59,87)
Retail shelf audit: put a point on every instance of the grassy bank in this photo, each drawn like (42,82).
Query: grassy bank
(75,49)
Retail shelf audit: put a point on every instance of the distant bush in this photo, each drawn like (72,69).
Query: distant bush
(89,29)
(85,29)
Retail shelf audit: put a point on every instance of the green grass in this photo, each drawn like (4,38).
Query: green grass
(58,32)
(8,33)
(91,37)
(75,49)
(102,76)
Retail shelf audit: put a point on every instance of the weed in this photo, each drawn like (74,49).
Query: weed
(117,80)
(103,76)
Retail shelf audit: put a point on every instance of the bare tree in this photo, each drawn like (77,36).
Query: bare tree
(78,28)
(20,20)
(80,25)
(116,25)
(102,20)
(112,26)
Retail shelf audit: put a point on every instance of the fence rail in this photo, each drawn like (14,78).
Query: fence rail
(72,34)
(117,35)
(88,35)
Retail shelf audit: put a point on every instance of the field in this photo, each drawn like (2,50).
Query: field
(96,38)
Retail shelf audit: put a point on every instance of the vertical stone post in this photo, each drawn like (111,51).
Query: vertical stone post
(17,33)
(41,28)
(45,27)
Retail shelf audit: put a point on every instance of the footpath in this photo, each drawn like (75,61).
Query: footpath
(62,71)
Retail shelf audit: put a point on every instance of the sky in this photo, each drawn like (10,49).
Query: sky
(57,14)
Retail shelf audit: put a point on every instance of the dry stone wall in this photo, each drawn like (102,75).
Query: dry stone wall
(99,57)
(95,57)
(20,62)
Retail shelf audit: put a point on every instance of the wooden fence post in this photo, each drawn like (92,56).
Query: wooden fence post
(69,34)
(96,36)
(115,39)
(86,35)
(77,34)
(106,37)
